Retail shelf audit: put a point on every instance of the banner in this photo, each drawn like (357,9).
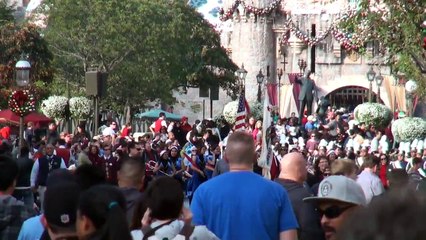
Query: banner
(266,153)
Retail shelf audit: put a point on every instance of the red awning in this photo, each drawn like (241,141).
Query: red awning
(37,118)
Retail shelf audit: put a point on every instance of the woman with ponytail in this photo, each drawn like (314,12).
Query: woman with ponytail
(101,214)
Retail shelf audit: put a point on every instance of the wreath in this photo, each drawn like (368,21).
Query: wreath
(22,102)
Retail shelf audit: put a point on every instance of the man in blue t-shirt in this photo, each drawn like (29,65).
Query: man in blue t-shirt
(241,204)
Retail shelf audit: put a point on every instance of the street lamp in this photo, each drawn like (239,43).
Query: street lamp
(22,78)
(23,68)
(259,78)
(280,74)
(302,65)
(371,74)
(410,88)
(241,74)
(379,81)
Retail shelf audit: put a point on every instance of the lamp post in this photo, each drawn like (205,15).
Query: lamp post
(302,65)
(371,74)
(241,74)
(410,88)
(379,81)
(259,78)
(280,74)
(22,70)
(395,84)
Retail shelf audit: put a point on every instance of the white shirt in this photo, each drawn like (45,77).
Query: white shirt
(172,230)
(108,131)
(370,184)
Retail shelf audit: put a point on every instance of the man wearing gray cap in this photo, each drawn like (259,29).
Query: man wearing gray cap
(338,197)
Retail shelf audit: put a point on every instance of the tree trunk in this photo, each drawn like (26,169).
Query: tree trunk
(421,63)
(127,112)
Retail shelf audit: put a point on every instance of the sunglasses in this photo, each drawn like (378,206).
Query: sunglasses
(333,211)
(138,149)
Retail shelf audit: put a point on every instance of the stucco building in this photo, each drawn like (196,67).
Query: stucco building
(279,34)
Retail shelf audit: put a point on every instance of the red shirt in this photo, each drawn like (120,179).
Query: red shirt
(304,120)
(383,176)
(5,132)
(158,125)
(186,127)
(126,132)
(254,133)
(275,168)
(64,154)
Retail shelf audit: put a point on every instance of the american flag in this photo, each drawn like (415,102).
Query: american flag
(242,111)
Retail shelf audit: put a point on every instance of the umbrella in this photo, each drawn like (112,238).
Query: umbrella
(154,113)
(38,118)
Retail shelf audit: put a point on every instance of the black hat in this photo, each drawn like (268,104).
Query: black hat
(60,204)
(58,176)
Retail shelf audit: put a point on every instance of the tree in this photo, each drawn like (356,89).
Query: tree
(15,41)
(6,12)
(148,47)
(396,26)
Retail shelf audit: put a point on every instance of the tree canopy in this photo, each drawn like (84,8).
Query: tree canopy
(6,12)
(148,47)
(396,25)
(22,40)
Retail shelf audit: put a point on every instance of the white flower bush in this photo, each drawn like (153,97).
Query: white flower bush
(409,129)
(55,107)
(375,114)
(230,112)
(219,120)
(80,107)
(394,129)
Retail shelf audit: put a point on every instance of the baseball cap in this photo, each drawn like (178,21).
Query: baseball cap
(59,176)
(60,204)
(339,188)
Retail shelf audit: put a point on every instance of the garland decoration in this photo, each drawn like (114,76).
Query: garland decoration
(349,41)
(226,15)
(22,102)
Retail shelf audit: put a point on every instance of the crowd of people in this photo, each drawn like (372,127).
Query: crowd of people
(325,171)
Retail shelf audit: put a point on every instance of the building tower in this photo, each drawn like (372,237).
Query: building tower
(251,40)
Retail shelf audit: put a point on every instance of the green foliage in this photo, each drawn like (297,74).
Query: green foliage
(256,110)
(16,40)
(6,13)
(396,26)
(148,47)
